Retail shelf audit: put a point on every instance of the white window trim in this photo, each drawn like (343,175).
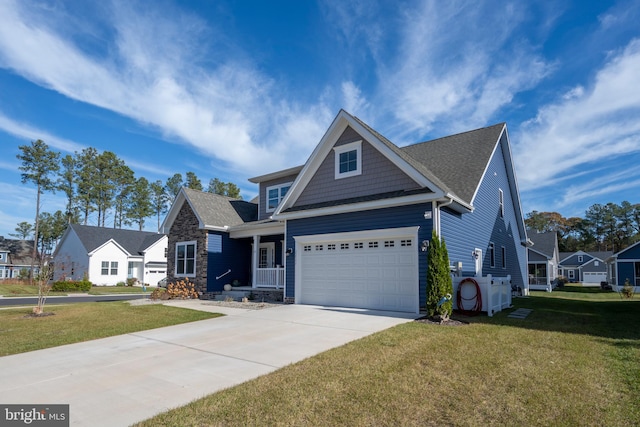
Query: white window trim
(195,258)
(357,146)
(280,197)
(580,258)
(492,255)
(501,202)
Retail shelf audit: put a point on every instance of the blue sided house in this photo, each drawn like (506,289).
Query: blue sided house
(623,266)
(351,226)
(589,268)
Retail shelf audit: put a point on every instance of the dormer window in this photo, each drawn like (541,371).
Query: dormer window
(348,160)
(275,194)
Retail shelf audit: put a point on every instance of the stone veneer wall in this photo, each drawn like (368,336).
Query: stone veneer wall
(186,228)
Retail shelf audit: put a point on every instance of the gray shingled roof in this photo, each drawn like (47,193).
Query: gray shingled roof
(20,251)
(602,255)
(134,242)
(458,160)
(543,243)
(220,211)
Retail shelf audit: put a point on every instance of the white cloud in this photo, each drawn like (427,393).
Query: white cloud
(30,133)
(354,101)
(451,65)
(153,74)
(592,125)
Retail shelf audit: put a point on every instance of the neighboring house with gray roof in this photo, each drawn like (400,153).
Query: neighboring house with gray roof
(16,257)
(585,267)
(351,226)
(543,259)
(107,256)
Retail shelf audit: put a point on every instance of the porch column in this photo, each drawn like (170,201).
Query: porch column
(255,250)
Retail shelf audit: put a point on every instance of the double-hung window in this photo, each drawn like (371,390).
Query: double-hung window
(348,160)
(275,194)
(107,268)
(186,259)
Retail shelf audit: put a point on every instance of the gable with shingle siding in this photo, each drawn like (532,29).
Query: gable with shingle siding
(379,175)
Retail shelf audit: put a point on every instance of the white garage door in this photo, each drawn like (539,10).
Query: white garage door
(375,270)
(594,277)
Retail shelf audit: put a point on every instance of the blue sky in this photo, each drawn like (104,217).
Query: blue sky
(234,89)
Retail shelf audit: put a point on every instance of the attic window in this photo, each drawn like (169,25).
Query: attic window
(580,258)
(348,160)
(275,194)
(501,202)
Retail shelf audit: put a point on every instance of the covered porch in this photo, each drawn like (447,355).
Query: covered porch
(268,253)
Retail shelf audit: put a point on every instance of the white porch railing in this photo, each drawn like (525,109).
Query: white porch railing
(270,277)
(495,292)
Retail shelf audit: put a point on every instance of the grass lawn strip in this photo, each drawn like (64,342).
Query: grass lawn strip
(572,361)
(85,321)
(26,290)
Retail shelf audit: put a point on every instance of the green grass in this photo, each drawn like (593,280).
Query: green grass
(22,290)
(73,323)
(108,290)
(574,361)
(26,290)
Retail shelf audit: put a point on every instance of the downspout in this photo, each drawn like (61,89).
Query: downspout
(438,205)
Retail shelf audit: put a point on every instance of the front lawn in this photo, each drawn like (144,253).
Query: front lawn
(17,289)
(73,323)
(575,360)
(108,290)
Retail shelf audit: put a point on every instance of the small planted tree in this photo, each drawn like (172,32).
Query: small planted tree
(42,280)
(439,284)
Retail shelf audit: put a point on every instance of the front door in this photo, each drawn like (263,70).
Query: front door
(266,255)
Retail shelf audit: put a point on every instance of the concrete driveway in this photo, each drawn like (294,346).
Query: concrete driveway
(120,380)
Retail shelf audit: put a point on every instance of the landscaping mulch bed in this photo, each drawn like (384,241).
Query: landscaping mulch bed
(450,322)
(45,314)
(251,305)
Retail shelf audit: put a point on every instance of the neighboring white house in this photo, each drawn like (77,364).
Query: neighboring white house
(108,256)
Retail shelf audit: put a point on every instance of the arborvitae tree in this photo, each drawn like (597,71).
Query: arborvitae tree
(38,164)
(439,283)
